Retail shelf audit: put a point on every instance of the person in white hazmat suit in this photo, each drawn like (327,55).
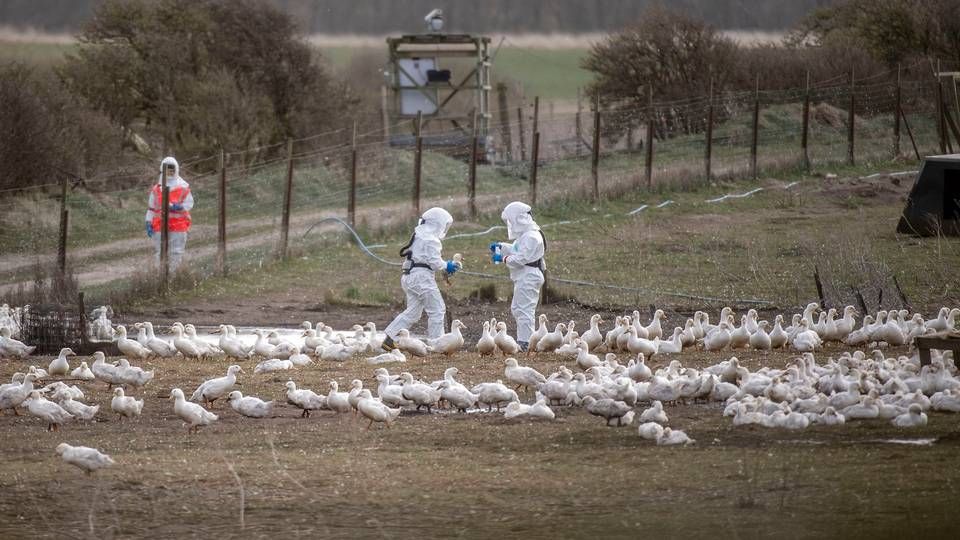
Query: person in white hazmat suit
(524,258)
(423,260)
(178,217)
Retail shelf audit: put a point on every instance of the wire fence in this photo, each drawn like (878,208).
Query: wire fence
(377,179)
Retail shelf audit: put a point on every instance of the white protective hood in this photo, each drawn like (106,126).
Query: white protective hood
(434,224)
(518,219)
(170,160)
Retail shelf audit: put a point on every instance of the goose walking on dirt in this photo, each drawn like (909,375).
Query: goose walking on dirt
(192,414)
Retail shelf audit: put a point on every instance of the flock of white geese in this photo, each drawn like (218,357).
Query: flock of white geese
(850,387)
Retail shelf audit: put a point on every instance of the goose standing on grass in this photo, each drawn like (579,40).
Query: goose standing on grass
(592,337)
(249,406)
(449,343)
(132,375)
(718,339)
(184,345)
(51,413)
(159,347)
(262,347)
(610,410)
(760,339)
(778,337)
(486,345)
(192,414)
(338,401)
(125,406)
(304,399)
(585,360)
(655,329)
(494,394)
(230,345)
(130,347)
(213,389)
(422,395)
(639,345)
(390,394)
(539,333)
(374,410)
(522,376)
(13,396)
(78,409)
(83,372)
(504,341)
(105,372)
(60,365)
(84,458)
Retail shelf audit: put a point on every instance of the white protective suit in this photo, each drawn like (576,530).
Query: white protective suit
(177,240)
(528,248)
(419,283)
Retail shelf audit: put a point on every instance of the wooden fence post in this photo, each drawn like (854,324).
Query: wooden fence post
(417,164)
(384,114)
(287,197)
(505,131)
(941,122)
(805,129)
(222,217)
(755,131)
(472,180)
(578,126)
(852,121)
(352,196)
(595,161)
(708,153)
(535,128)
(62,245)
(896,116)
(523,135)
(648,162)
(534,161)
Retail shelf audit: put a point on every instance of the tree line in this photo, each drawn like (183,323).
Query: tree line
(385,16)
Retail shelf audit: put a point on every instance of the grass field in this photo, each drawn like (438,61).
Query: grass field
(467,475)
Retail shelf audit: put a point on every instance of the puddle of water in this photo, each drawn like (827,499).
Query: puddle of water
(912,442)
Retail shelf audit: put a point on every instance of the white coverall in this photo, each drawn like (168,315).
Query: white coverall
(177,240)
(420,284)
(527,248)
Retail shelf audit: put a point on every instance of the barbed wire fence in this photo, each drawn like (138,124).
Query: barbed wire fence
(254,204)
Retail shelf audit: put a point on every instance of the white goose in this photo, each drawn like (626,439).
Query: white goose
(410,344)
(486,345)
(82,372)
(592,337)
(230,345)
(184,345)
(304,399)
(157,346)
(60,365)
(449,343)
(105,372)
(132,375)
(84,458)
(375,410)
(213,389)
(504,341)
(338,401)
(494,394)
(522,376)
(192,414)
(422,395)
(51,413)
(13,396)
(552,340)
(78,409)
(249,406)
(130,347)
(538,333)
(125,406)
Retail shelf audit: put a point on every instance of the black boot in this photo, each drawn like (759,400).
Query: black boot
(388,344)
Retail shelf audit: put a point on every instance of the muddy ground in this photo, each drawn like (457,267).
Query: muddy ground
(468,475)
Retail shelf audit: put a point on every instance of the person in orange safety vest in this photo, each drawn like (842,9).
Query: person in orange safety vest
(178,220)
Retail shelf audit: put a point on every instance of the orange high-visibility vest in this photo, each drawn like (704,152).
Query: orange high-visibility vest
(177,221)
